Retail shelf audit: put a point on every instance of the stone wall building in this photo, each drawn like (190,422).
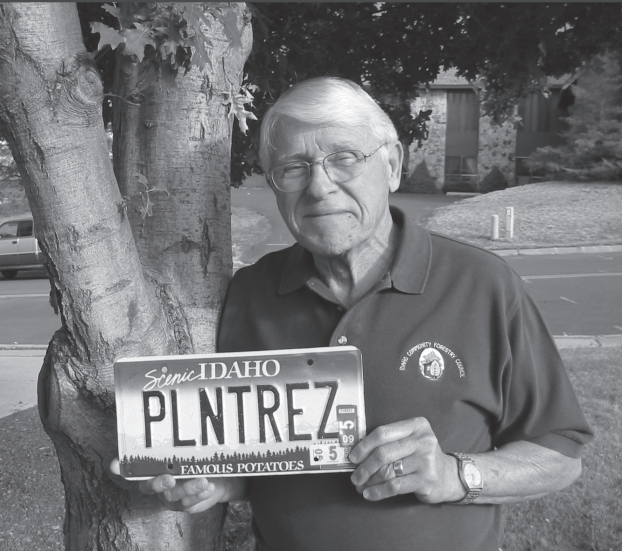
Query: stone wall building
(466,150)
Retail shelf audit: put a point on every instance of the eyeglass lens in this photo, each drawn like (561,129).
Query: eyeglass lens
(340,167)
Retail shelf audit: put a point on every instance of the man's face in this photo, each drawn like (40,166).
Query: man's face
(326,218)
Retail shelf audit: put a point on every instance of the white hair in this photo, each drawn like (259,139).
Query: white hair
(326,100)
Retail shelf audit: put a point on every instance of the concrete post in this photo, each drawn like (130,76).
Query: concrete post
(509,222)
(494,227)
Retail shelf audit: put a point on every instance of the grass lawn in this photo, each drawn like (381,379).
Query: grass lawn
(549,214)
(585,517)
(588,515)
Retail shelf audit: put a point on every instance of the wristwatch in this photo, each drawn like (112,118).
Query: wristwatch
(470,476)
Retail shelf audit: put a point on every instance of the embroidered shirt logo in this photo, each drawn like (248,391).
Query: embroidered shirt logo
(434,358)
(431,364)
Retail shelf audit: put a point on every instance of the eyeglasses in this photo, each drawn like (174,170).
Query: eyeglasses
(340,167)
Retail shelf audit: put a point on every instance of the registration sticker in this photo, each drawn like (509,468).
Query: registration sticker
(239,414)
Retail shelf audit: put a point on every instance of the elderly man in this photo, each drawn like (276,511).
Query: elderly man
(468,405)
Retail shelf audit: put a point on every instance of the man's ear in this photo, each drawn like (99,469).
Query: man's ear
(396,156)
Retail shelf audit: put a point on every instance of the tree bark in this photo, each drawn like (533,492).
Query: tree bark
(180,141)
(50,111)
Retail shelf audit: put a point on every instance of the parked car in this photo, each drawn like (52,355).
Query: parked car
(19,249)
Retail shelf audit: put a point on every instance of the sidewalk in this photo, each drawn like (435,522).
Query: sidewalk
(19,370)
(20,366)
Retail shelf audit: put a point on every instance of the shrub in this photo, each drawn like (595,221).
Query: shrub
(593,149)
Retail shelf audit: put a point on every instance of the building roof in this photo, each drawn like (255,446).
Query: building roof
(450,79)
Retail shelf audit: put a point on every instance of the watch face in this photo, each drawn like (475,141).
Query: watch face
(472,475)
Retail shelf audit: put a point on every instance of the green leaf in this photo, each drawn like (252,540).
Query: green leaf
(229,20)
(136,40)
(200,55)
(236,102)
(113,10)
(194,15)
(107,35)
(175,38)
(242,116)
(147,207)
(142,179)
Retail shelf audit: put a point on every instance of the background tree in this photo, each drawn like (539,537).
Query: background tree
(138,266)
(593,149)
(506,49)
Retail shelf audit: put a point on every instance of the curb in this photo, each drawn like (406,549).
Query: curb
(24,346)
(23,350)
(587,341)
(558,250)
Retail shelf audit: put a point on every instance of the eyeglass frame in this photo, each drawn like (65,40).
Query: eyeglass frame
(309,165)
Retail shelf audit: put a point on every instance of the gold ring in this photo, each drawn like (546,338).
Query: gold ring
(398,467)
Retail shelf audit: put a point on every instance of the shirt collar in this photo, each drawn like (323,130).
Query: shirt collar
(299,267)
(411,267)
(409,270)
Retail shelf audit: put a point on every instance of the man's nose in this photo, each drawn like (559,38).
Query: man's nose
(320,183)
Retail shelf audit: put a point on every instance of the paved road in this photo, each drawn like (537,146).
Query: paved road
(579,294)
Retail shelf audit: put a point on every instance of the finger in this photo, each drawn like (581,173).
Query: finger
(379,463)
(195,503)
(381,475)
(385,434)
(156,485)
(424,479)
(399,467)
(390,488)
(186,489)
(115,467)
(204,504)
(204,495)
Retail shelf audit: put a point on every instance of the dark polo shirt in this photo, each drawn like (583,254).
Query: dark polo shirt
(449,334)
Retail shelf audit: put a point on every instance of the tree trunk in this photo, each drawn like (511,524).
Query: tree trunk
(179,141)
(50,110)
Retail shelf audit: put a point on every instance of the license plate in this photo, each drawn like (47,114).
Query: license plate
(239,414)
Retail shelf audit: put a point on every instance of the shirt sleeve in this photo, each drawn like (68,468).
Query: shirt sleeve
(539,403)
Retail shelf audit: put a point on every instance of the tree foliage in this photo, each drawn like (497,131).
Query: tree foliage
(593,149)
(167,37)
(506,50)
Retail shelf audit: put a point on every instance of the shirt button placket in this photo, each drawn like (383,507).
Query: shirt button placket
(342,340)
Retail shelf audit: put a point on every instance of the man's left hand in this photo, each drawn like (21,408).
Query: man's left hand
(427,472)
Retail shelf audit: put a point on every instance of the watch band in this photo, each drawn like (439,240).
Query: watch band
(473,491)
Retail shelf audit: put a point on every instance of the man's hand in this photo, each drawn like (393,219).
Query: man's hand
(428,473)
(193,495)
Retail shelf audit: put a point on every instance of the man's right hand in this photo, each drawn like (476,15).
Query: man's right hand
(193,495)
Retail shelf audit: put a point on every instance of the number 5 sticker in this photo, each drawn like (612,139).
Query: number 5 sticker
(327,454)
(348,425)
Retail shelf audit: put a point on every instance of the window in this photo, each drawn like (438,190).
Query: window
(460,170)
(24,228)
(8,230)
